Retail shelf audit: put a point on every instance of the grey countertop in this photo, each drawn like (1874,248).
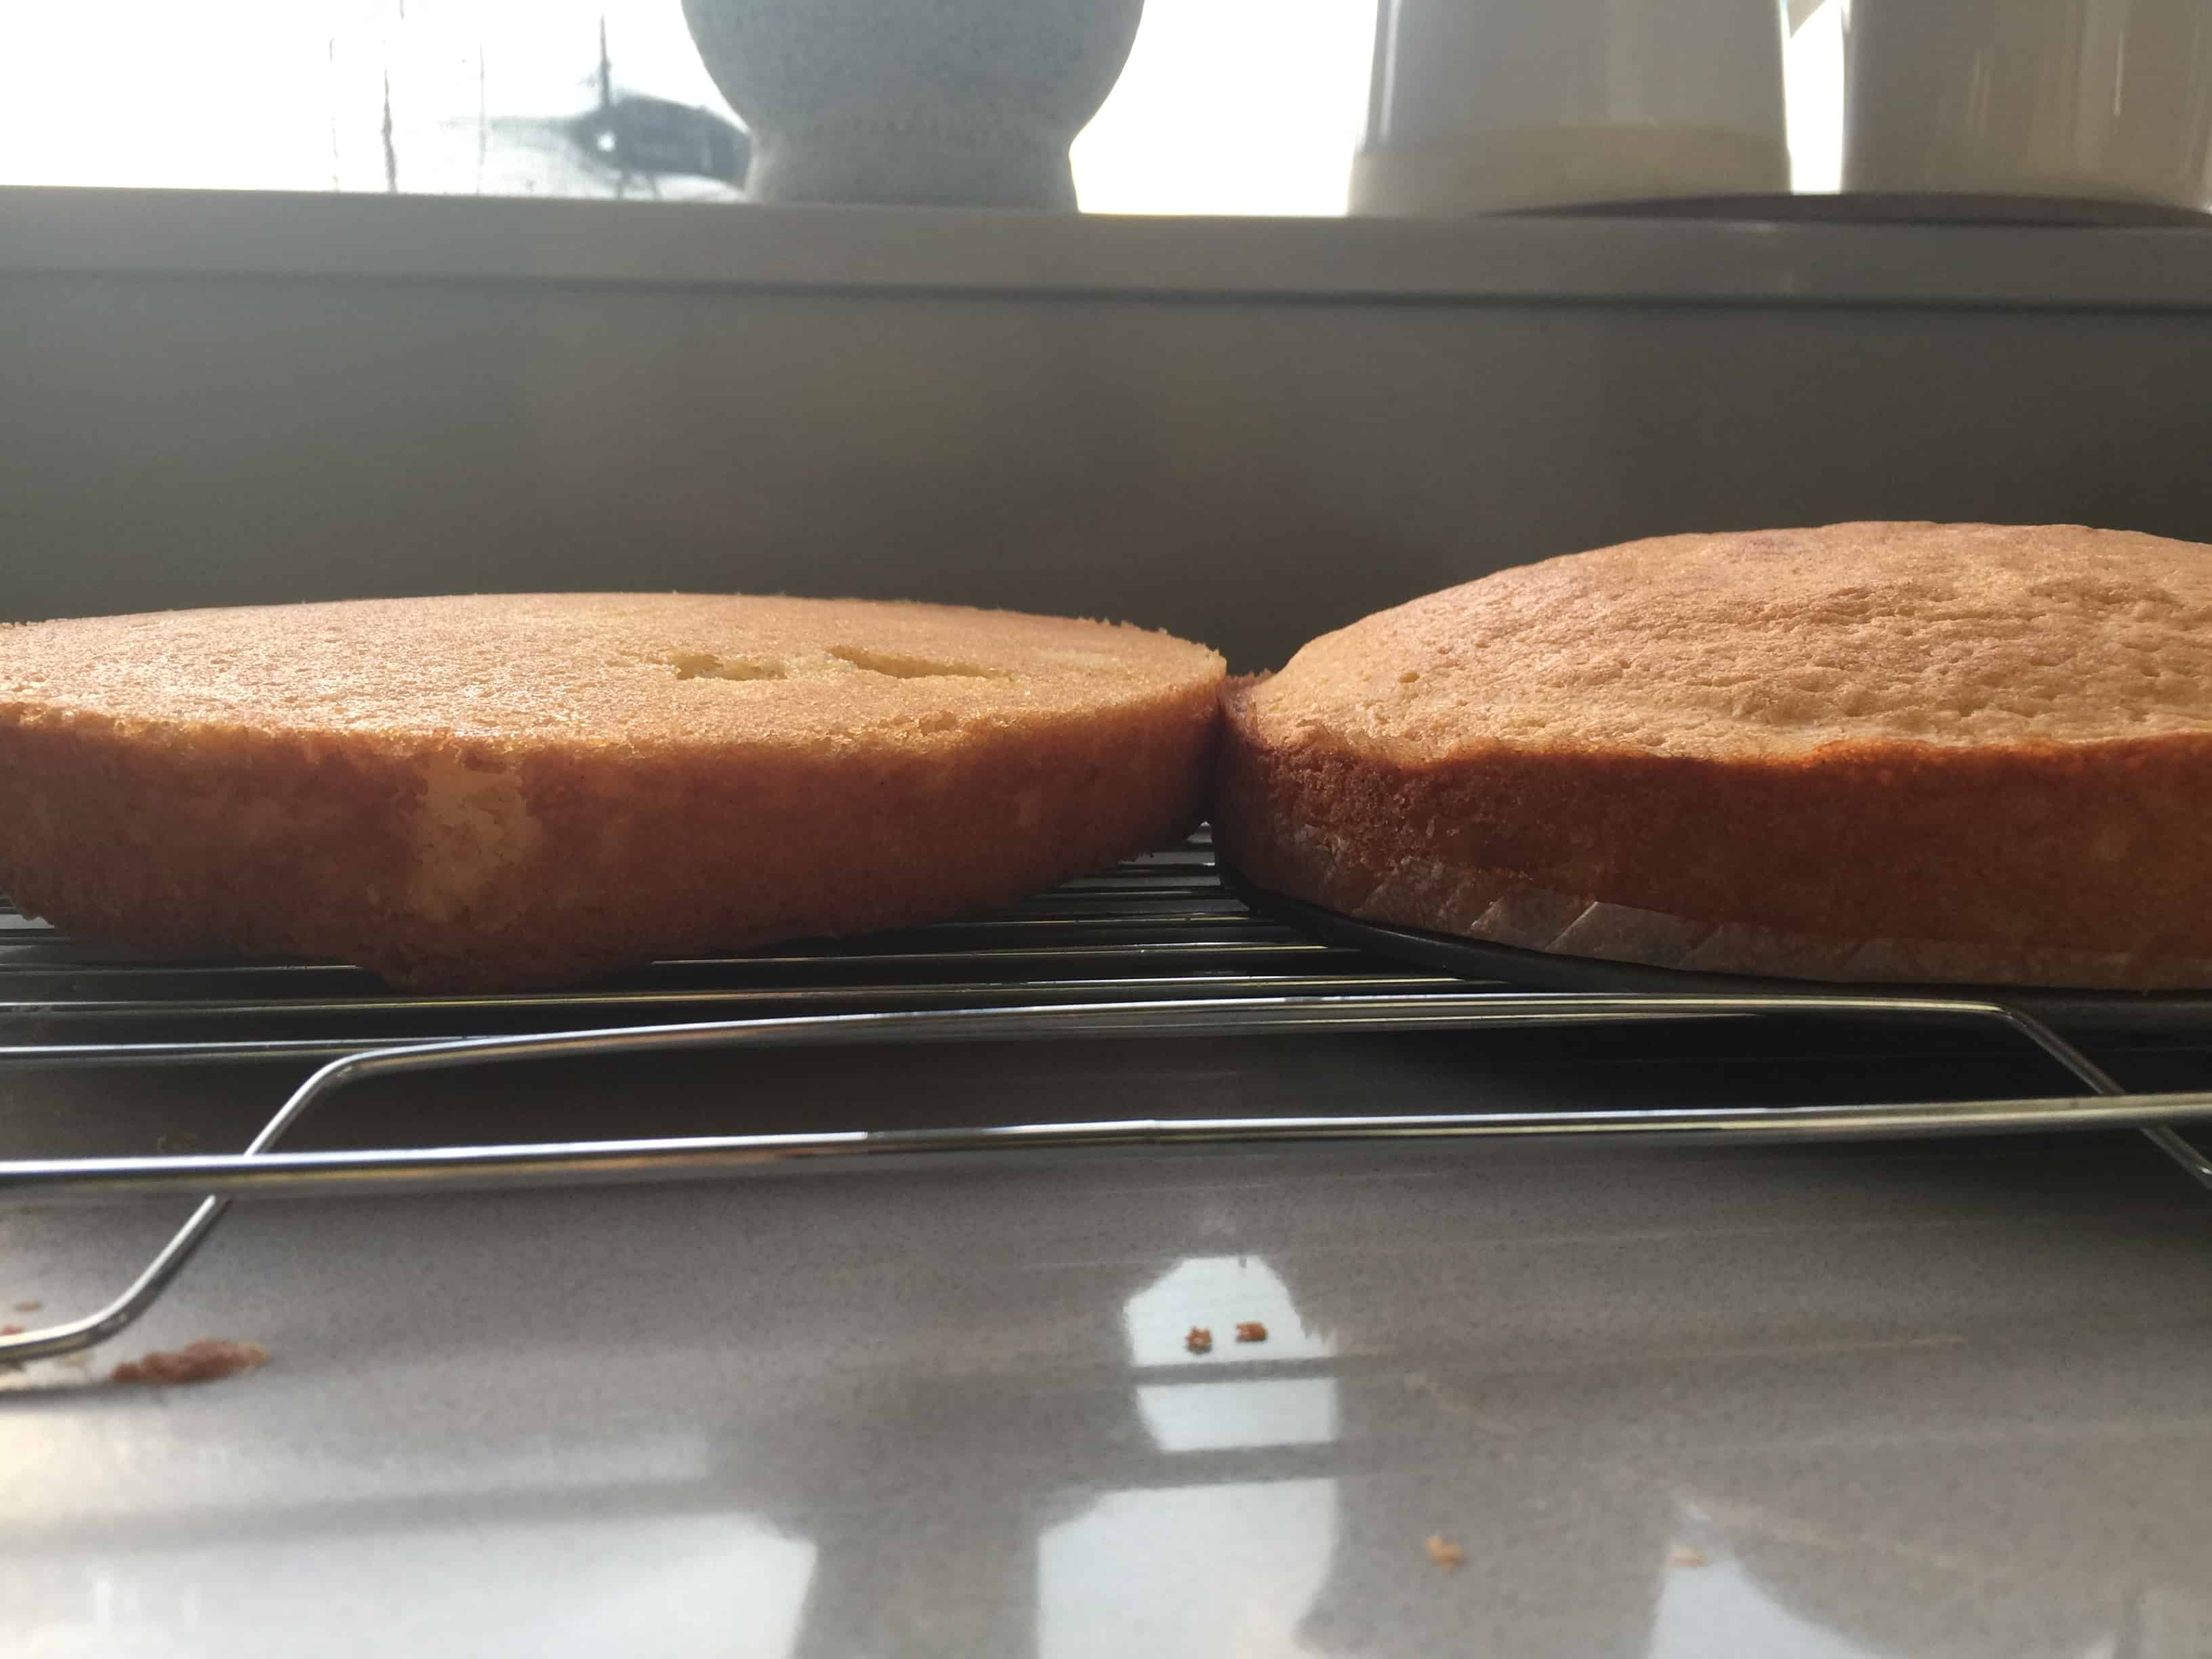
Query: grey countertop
(1920,1399)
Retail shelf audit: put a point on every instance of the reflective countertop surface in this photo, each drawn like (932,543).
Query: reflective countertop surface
(1915,1398)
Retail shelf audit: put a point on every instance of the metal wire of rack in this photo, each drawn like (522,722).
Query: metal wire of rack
(1156,949)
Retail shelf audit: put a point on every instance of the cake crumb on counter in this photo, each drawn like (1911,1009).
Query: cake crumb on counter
(1686,1555)
(200,1362)
(28,1307)
(1251,1330)
(1201,1340)
(1444,1552)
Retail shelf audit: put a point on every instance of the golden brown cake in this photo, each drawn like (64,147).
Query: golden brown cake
(511,790)
(1868,752)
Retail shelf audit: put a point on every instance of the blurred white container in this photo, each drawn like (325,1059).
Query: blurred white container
(2096,98)
(1480,106)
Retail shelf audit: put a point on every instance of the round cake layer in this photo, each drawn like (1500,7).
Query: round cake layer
(509,790)
(1948,752)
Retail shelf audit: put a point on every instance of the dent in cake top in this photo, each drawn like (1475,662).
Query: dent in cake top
(1775,642)
(633,668)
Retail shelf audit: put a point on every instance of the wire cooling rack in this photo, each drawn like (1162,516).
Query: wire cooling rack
(1156,950)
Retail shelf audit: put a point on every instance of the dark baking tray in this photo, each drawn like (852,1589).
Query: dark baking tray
(2180,1014)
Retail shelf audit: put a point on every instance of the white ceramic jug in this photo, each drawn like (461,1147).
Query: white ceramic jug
(2094,98)
(1483,105)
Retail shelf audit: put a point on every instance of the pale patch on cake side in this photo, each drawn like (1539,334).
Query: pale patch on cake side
(470,828)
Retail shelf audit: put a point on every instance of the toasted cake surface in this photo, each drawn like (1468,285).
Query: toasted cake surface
(587,669)
(1777,642)
(1827,752)
(511,789)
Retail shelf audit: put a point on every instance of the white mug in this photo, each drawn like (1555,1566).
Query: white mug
(2081,98)
(1483,105)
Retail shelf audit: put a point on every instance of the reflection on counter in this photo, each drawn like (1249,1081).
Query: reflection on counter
(1227,1569)
(1219,1293)
(1899,1403)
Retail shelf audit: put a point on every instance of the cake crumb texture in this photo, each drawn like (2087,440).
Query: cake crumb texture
(208,1361)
